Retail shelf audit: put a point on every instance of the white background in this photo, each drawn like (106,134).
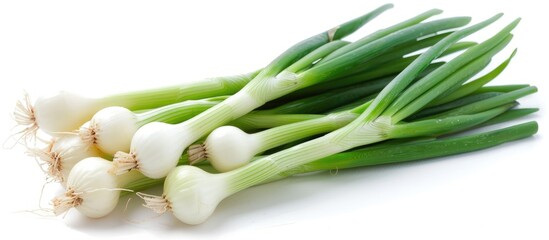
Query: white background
(101,47)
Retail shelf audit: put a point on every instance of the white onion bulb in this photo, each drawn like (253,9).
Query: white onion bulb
(190,193)
(111,129)
(64,111)
(228,148)
(149,142)
(61,154)
(91,189)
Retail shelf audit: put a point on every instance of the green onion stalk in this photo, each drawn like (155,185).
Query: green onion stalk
(333,98)
(61,153)
(156,147)
(95,193)
(369,71)
(111,129)
(229,147)
(416,150)
(65,112)
(192,194)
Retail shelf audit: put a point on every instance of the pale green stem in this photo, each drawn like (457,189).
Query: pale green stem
(275,137)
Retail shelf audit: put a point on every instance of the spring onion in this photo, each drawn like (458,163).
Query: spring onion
(93,191)
(65,111)
(156,147)
(60,155)
(325,103)
(228,147)
(95,198)
(412,150)
(111,129)
(192,194)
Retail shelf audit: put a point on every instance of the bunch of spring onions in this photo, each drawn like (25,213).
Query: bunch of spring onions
(323,104)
